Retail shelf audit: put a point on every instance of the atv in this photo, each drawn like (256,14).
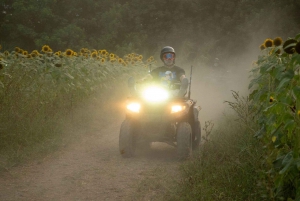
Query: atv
(154,115)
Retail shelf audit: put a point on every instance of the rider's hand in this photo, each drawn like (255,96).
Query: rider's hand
(140,81)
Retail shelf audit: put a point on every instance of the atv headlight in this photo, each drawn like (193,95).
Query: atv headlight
(134,107)
(177,108)
(155,94)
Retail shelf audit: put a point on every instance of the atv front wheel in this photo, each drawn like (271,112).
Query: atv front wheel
(184,132)
(126,139)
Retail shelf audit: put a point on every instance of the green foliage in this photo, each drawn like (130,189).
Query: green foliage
(275,95)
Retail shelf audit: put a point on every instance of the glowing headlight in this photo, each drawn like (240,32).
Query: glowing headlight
(177,108)
(134,107)
(155,94)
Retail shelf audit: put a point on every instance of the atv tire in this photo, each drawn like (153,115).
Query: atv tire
(126,139)
(196,135)
(184,132)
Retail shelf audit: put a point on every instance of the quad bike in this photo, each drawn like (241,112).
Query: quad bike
(153,115)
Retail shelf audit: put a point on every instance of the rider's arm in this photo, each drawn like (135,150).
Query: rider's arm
(184,85)
(147,77)
(181,77)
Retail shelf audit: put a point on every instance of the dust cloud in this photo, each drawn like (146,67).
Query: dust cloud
(213,84)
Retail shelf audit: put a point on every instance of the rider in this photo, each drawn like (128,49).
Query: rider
(169,72)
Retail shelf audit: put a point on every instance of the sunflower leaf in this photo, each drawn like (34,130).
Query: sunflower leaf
(283,83)
(296,91)
(286,162)
(290,45)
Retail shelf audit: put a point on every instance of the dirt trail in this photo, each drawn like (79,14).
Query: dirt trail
(91,168)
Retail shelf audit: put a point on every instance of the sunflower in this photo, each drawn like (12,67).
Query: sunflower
(25,53)
(57,53)
(271,99)
(277,41)
(140,57)
(297,47)
(94,55)
(21,51)
(103,60)
(35,52)
(262,46)
(75,54)
(112,60)
(103,52)
(6,53)
(82,50)
(151,58)
(29,56)
(111,55)
(120,60)
(45,48)
(289,45)
(69,52)
(268,42)
(17,49)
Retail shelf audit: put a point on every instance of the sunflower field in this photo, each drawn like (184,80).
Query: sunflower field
(275,94)
(38,88)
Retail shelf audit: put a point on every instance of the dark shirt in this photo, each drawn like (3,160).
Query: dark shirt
(164,73)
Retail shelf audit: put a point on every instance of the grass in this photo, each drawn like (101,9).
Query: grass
(224,169)
(156,184)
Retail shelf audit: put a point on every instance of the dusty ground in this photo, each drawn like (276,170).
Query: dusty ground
(91,168)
